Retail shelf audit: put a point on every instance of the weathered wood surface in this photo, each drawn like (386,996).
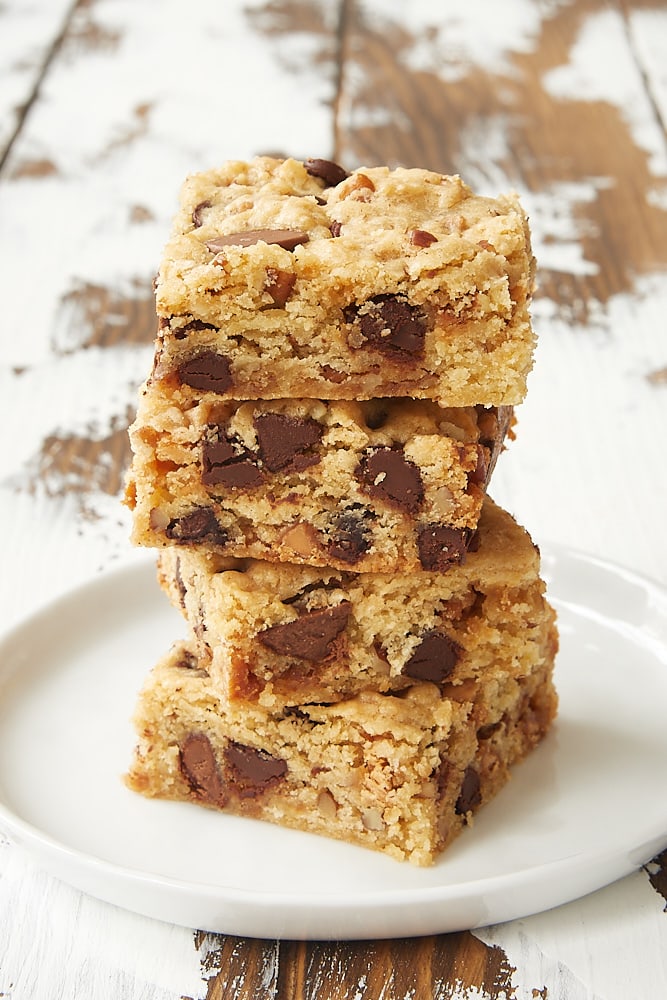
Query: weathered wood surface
(104,106)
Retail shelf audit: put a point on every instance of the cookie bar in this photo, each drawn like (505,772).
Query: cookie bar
(400,774)
(353,485)
(279,634)
(288,279)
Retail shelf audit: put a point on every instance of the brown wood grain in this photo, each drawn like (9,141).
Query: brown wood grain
(296,970)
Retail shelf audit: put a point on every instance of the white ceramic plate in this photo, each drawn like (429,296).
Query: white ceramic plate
(587,808)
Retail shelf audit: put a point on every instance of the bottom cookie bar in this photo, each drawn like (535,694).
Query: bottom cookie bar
(400,773)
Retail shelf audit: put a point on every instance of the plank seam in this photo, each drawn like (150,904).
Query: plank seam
(24,109)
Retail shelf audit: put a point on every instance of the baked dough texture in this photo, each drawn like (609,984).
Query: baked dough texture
(358,485)
(401,773)
(277,634)
(276,283)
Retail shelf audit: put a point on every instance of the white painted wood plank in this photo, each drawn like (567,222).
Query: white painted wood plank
(614,941)
(55,942)
(648,29)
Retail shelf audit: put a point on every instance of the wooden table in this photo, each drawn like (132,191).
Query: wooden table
(106,105)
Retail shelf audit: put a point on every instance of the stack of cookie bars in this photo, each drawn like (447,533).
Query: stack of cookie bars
(370,648)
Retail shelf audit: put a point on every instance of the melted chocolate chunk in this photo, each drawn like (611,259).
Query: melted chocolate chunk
(188,661)
(331,375)
(250,772)
(485,732)
(198,213)
(198,526)
(434,658)
(181,333)
(279,285)
(440,546)
(480,473)
(200,769)
(311,636)
(336,228)
(470,796)
(472,540)
(388,475)
(194,324)
(208,371)
(182,589)
(283,438)
(390,324)
(288,239)
(328,171)
(240,474)
(221,465)
(350,537)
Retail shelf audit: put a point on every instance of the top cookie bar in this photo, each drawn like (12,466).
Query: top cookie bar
(288,279)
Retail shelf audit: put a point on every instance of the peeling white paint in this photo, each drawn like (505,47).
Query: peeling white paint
(559,227)
(602,68)
(476,34)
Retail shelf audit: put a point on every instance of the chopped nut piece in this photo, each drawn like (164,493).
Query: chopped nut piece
(301,539)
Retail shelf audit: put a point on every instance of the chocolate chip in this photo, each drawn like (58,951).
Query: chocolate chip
(208,371)
(470,796)
(495,424)
(239,475)
(282,438)
(485,732)
(389,323)
(198,526)
(195,324)
(480,473)
(198,213)
(250,772)
(288,239)
(182,589)
(187,661)
(336,228)
(350,536)
(328,171)
(279,285)
(182,332)
(472,540)
(388,475)
(221,465)
(442,777)
(217,452)
(434,658)
(332,375)
(200,769)
(311,636)
(440,546)
(420,238)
